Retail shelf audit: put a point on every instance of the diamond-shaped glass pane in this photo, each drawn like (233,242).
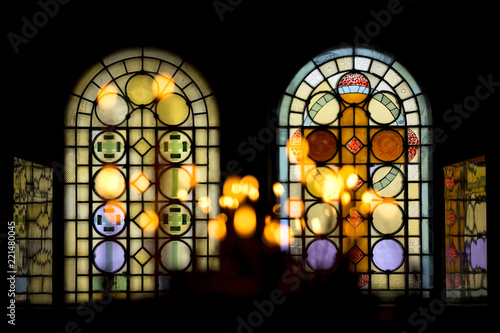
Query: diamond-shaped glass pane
(140,183)
(142,256)
(142,146)
(354,218)
(355,254)
(354,145)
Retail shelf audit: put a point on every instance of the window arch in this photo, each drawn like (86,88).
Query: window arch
(141,150)
(355,161)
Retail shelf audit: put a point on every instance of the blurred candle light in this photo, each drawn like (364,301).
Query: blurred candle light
(107,96)
(217,229)
(245,221)
(205,203)
(345,198)
(298,224)
(272,233)
(163,85)
(351,180)
(228,202)
(182,194)
(278,189)
(232,188)
(316,226)
(367,197)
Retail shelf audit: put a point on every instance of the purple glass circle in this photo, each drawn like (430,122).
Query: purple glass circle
(109,220)
(321,254)
(109,256)
(388,254)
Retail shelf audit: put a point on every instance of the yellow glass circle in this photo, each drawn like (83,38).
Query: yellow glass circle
(109,183)
(387,218)
(323,182)
(172,109)
(141,89)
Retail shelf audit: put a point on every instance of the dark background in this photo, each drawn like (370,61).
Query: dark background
(249,57)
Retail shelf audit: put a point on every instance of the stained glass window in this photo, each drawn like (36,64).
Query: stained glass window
(142,148)
(354,159)
(33,227)
(466,231)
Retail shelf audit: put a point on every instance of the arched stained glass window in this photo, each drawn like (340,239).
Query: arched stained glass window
(142,148)
(354,159)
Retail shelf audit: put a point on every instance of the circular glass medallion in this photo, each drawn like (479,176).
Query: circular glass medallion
(111,109)
(384,107)
(387,145)
(387,218)
(175,183)
(109,256)
(321,218)
(175,256)
(322,145)
(321,254)
(388,254)
(323,108)
(109,219)
(388,181)
(109,182)
(109,147)
(323,182)
(140,89)
(172,109)
(354,87)
(175,146)
(175,219)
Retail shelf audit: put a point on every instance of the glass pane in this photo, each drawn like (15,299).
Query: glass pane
(32,225)
(466,231)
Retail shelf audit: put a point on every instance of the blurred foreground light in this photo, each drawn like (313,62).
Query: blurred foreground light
(228,202)
(352,180)
(232,188)
(278,189)
(163,85)
(253,194)
(316,226)
(107,96)
(182,194)
(367,197)
(217,227)
(272,233)
(205,203)
(249,183)
(245,221)
(345,198)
